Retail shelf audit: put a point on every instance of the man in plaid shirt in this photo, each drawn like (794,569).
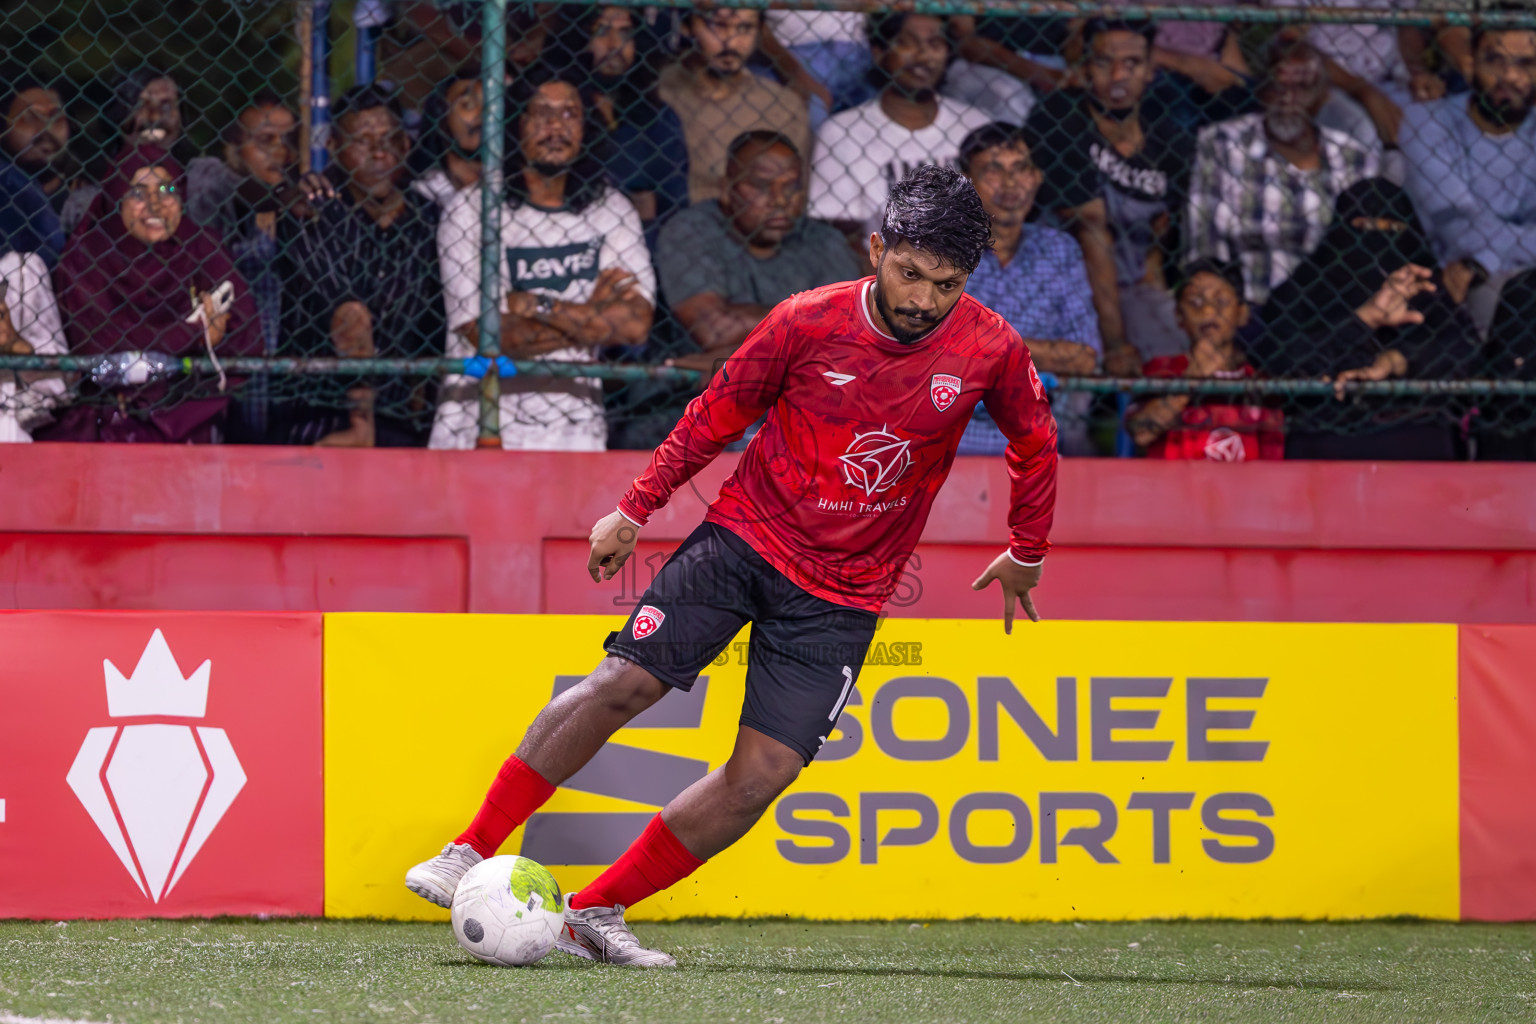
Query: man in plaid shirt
(1263,187)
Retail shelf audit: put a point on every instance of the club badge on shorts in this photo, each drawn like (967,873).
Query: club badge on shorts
(944,388)
(648,621)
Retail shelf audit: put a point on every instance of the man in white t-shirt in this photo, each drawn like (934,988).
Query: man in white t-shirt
(861,152)
(29,325)
(575,277)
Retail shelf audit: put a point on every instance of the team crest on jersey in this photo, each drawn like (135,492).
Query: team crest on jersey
(944,388)
(1034,382)
(648,620)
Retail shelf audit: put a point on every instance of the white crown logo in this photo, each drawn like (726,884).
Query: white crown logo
(156,686)
(156,790)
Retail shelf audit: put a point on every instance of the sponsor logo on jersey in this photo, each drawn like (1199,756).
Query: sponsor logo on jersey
(156,790)
(1225,445)
(876,460)
(838,379)
(1034,382)
(648,621)
(944,388)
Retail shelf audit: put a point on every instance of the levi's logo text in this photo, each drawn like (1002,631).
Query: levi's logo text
(554,267)
(873,462)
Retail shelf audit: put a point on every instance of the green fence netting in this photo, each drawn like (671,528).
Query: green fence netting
(1228,231)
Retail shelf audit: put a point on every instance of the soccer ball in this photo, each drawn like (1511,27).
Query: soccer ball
(508,911)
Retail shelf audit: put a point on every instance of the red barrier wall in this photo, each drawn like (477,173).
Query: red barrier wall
(1498,773)
(102,526)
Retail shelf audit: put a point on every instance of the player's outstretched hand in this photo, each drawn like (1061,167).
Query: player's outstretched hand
(613,541)
(1017,581)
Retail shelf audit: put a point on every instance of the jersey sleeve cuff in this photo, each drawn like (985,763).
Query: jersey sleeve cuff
(628,511)
(1027,564)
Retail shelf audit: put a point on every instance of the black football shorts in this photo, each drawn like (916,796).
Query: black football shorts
(805,651)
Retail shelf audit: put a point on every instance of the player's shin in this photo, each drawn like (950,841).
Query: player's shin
(515,793)
(655,861)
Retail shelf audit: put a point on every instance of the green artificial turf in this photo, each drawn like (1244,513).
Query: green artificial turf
(779,971)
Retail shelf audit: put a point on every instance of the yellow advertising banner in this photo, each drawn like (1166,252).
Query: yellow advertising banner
(1093,770)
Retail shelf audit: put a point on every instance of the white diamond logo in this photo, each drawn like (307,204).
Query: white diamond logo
(156,790)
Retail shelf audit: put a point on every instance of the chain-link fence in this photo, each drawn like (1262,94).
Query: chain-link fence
(1227,231)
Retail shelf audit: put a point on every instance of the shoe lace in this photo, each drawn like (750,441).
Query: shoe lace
(610,923)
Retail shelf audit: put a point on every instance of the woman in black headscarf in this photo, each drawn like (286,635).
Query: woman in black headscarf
(1367,304)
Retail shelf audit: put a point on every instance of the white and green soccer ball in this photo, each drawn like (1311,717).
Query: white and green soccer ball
(508,911)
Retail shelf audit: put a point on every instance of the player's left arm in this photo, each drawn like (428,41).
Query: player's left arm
(1019,406)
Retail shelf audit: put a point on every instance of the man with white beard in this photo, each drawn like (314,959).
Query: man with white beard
(1264,185)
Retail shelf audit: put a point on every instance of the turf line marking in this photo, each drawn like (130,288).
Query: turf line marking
(11,1018)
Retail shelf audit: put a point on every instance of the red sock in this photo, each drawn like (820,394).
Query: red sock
(655,861)
(515,794)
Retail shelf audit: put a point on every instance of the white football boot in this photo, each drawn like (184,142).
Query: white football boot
(437,879)
(599,933)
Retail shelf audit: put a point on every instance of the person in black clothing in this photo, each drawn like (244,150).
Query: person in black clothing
(1368,304)
(361,280)
(1507,429)
(35,132)
(646,155)
(241,194)
(1116,171)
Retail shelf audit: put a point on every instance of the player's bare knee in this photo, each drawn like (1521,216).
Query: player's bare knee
(755,778)
(620,685)
(751,793)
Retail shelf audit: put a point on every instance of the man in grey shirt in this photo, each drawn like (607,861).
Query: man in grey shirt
(723,265)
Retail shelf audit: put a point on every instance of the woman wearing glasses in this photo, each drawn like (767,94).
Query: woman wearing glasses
(144,287)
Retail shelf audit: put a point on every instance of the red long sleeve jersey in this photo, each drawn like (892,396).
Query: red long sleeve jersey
(860,433)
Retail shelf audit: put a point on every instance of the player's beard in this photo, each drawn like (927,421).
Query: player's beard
(888,314)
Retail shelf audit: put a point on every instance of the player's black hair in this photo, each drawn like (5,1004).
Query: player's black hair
(1480,30)
(936,209)
(882,29)
(368,97)
(997,133)
(763,137)
(1136,27)
(1232,273)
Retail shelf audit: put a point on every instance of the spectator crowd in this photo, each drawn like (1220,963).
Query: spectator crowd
(1174,200)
